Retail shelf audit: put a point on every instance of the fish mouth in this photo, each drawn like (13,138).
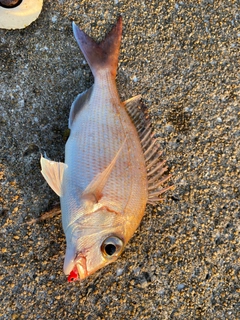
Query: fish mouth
(79,272)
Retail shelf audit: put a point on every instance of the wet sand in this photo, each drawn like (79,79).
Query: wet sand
(183,261)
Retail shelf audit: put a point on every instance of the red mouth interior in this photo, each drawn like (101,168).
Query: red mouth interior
(73,276)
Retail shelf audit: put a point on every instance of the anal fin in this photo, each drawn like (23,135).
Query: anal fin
(80,101)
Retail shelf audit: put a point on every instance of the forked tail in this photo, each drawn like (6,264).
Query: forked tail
(103,55)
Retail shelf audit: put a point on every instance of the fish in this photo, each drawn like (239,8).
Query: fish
(112,165)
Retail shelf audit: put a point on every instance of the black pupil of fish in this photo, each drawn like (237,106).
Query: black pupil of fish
(110,249)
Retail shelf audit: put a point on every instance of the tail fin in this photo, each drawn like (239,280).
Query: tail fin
(103,55)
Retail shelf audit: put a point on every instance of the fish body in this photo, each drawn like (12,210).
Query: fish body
(103,184)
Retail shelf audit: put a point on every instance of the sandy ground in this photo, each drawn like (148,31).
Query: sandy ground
(183,261)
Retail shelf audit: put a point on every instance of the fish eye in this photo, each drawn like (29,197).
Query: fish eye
(112,247)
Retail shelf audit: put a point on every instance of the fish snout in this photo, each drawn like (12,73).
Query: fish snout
(82,268)
(79,270)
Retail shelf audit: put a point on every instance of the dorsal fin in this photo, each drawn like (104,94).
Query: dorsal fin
(103,55)
(155,167)
(138,114)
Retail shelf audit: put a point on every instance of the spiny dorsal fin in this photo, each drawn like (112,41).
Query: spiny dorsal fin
(53,173)
(138,114)
(103,55)
(155,167)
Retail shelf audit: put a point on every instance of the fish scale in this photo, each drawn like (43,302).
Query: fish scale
(103,184)
(91,147)
(96,155)
(97,126)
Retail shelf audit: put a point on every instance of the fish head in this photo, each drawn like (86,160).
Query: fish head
(92,244)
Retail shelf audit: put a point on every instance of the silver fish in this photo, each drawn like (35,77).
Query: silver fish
(111,168)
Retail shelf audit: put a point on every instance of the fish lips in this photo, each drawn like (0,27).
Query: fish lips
(75,266)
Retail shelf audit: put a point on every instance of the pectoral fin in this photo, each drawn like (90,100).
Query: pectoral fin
(53,173)
(93,192)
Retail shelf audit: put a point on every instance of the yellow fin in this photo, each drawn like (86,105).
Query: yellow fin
(53,173)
